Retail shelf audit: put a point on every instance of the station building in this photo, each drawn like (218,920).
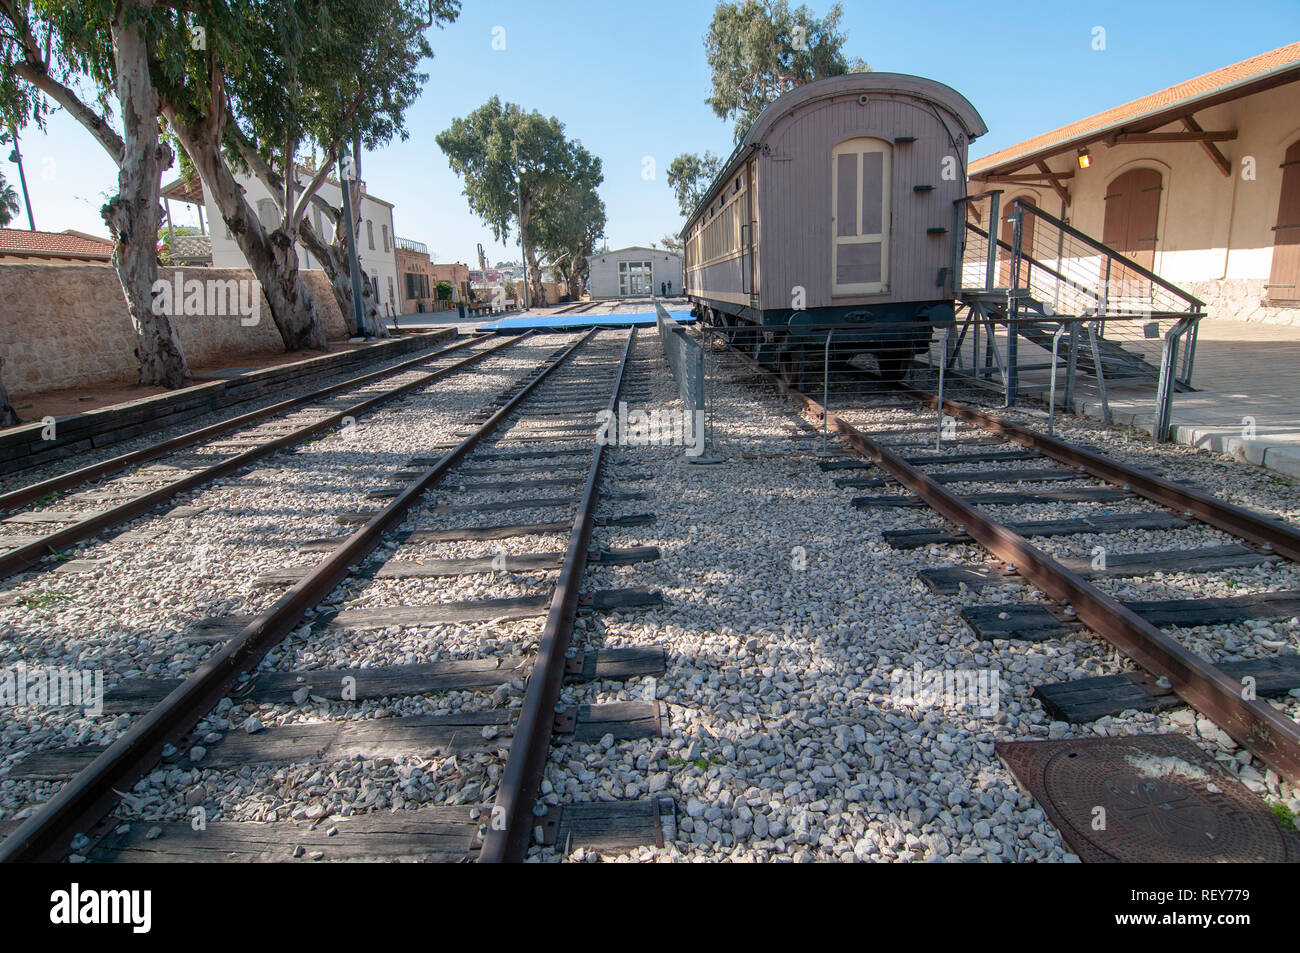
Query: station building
(635,272)
(376,241)
(1199,183)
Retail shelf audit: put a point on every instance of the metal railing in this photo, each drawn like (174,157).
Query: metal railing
(686,360)
(1050,278)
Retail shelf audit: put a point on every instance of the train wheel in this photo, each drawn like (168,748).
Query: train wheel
(894,365)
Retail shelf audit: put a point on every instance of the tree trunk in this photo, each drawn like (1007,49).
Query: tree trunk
(134,213)
(334,262)
(272,258)
(8,416)
(534,277)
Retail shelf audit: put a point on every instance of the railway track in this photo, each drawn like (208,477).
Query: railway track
(43,522)
(991,464)
(190,729)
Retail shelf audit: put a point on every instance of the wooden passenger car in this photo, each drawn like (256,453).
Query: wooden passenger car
(837,207)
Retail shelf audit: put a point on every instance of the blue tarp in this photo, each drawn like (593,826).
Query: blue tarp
(567,322)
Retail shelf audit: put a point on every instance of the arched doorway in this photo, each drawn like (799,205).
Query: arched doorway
(1131,228)
(1284,277)
(1133,214)
(1007,236)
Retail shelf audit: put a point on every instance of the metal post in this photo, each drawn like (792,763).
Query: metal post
(826,391)
(991,263)
(1099,370)
(348,175)
(943,364)
(1051,402)
(1072,367)
(17,156)
(1013,308)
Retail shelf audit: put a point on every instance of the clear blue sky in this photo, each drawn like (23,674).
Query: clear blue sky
(629,80)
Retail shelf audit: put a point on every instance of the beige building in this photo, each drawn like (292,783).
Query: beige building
(1199,182)
(68,247)
(419,279)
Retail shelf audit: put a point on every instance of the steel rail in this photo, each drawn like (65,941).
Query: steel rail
(1254,724)
(1277,537)
(30,555)
(510,825)
(92,792)
(63,481)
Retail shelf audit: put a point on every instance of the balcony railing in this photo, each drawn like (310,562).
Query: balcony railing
(412,245)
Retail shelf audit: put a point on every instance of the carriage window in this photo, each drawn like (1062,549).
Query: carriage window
(860,183)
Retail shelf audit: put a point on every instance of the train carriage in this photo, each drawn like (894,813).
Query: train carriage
(837,207)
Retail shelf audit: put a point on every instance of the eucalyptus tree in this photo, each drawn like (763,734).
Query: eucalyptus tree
(350,71)
(50,52)
(759,49)
(689,176)
(510,161)
(570,218)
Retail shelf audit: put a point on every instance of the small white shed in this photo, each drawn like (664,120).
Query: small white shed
(635,272)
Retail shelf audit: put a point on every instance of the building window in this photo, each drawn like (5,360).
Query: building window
(383,230)
(370,233)
(391,297)
(635,278)
(417,285)
(267,215)
(860,184)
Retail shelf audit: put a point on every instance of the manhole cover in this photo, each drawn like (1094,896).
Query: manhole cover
(1147,798)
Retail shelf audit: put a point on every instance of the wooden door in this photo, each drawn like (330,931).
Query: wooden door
(1131,228)
(1284,278)
(860,183)
(1007,237)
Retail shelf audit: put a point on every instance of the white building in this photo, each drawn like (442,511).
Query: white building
(635,272)
(376,242)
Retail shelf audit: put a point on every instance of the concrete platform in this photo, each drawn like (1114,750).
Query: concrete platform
(1242,372)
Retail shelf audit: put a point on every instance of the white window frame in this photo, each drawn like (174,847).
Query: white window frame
(859,147)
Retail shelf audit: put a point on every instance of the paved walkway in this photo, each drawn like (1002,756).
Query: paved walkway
(1244,374)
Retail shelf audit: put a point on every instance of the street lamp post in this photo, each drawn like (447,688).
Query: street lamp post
(348,174)
(17,156)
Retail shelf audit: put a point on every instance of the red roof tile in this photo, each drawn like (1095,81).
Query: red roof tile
(61,243)
(1183,93)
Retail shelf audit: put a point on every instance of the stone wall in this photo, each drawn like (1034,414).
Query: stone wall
(1240,299)
(69,327)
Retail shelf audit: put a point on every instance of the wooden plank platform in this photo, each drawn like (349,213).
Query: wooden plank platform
(378,738)
(1035,623)
(1012,498)
(513,562)
(437,834)
(135,695)
(1102,523)
(948,580)
(1088,699)
(980,476)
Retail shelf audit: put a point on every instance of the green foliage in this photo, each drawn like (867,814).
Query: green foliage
(689,176)
(444,291)
(1284,815)
(481,149)
(9,205)
(672,243)
(759,49)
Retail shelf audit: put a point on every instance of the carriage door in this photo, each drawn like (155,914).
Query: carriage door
(860,217)
(1284,279)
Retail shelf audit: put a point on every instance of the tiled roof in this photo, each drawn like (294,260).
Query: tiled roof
(20,240)
(1183,94)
